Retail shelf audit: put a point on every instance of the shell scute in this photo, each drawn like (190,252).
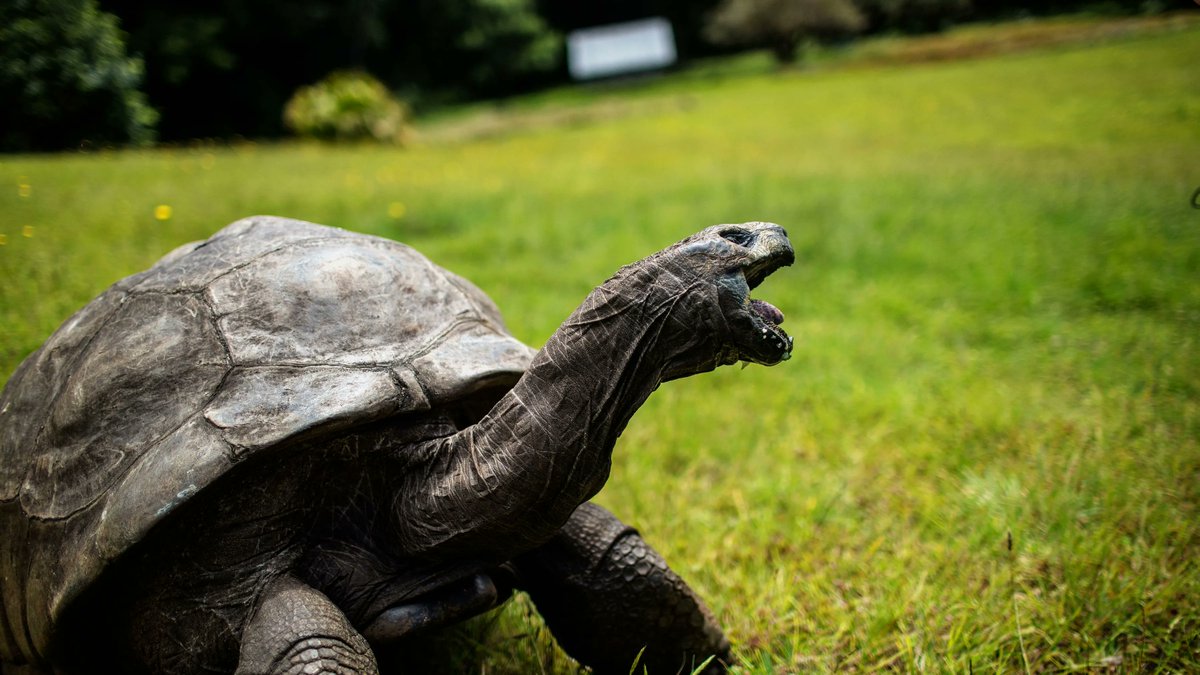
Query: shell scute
(351,302)
(195,265)
(34,386)
(113,403)
(168,474)
(261,407)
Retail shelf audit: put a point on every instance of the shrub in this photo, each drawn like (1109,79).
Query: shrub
(65,78)
(347,105)
(782,24)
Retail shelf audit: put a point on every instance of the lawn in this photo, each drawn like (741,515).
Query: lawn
(985,452)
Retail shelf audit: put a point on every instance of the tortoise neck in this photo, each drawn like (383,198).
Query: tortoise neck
(546,446)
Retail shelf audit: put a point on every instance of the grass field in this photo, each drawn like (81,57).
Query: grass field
(985,453)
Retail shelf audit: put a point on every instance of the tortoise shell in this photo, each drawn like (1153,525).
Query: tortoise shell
(270,331)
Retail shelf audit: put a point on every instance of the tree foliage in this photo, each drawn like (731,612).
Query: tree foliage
(202,56)
(914,16)
(65,78)
(225,68)
(499,41)
(783,24)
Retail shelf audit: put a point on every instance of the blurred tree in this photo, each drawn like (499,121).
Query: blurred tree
(65,78)
(913,16)
(782,24)
(225,67)
(477,47)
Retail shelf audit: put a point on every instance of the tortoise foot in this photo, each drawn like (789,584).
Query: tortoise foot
(297,630)
(608,597)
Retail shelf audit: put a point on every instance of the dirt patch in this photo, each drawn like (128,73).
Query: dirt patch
(976,41)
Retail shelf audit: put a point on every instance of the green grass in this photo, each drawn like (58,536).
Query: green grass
(985,454)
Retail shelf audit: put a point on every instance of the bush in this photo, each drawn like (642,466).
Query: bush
(347,105)
(782,24)
(65,78)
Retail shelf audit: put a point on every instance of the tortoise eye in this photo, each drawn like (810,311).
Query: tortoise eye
(738,236)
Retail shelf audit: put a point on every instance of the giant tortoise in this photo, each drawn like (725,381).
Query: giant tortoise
(289,445)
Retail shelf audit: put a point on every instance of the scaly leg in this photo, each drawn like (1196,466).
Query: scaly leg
(295,630)
(606,594)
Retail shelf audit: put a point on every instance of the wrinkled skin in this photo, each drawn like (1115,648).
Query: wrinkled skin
(401,526)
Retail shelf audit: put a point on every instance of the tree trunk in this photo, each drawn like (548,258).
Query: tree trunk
(784,49)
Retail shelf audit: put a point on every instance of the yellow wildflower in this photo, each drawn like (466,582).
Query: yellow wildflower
(27,231)
(162,212)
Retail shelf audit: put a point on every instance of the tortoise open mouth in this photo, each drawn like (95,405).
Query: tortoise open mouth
(762,340)
(769,317)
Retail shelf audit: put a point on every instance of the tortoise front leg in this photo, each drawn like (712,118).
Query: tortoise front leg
(606,595)
(296,629)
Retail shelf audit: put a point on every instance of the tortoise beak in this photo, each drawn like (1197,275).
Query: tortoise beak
(760,339)
(770,250)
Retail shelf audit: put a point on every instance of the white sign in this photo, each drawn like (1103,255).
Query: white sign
(620,48)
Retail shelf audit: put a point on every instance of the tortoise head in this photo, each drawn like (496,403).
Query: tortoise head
(697,296)
(735,259)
